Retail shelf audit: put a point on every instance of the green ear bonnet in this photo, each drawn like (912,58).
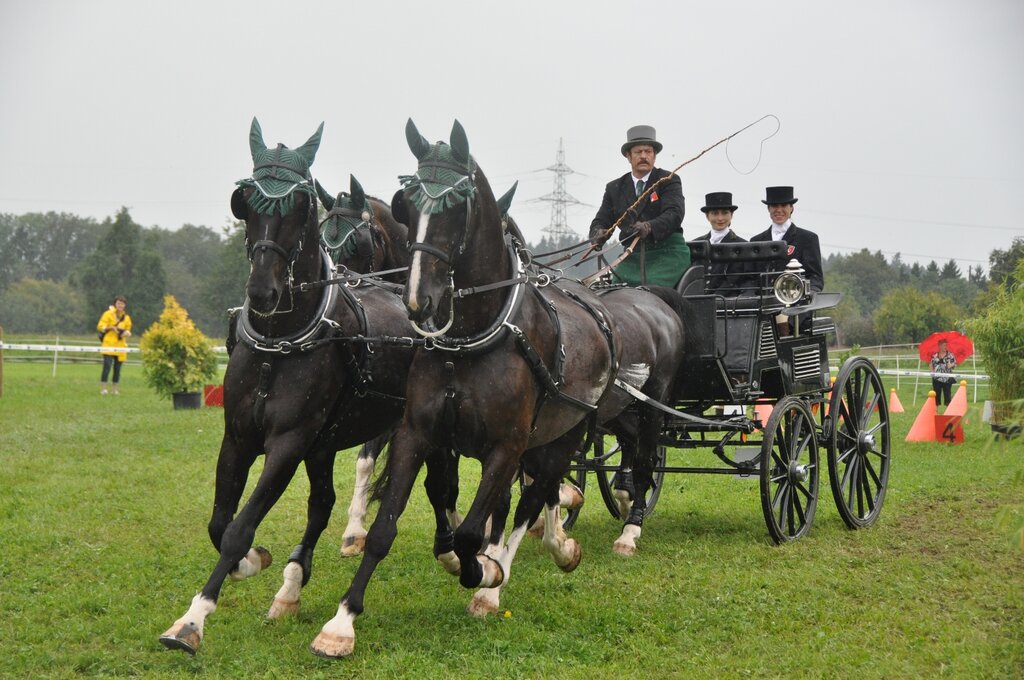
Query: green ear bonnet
(279,172)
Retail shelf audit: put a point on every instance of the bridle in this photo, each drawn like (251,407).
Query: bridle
(448,194)
(356,220)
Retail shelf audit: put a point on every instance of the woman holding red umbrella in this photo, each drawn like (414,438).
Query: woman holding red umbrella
(943,363)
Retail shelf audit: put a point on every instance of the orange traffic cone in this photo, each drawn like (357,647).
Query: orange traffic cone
(957,406)
(923,429)
(894,402)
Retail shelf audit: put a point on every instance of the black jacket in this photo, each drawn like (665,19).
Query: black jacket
(663,208)
(803,245)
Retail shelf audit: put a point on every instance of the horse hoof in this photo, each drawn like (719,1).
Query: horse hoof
(624,549)
(493,574)
(481,606)
(577,555)
(265,558)
(352,546)
(185,639)
(332,646)
(450,562)
(281,609)
(570,497)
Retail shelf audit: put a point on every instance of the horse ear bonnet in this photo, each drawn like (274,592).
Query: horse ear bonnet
(358,195)
(505,202)
(279,172)
(324,196)
(460,145)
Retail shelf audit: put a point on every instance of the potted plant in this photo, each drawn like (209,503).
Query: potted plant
(177,359)
(999,333)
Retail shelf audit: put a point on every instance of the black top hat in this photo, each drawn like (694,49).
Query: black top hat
(718,200)
(778,196)
(640,134)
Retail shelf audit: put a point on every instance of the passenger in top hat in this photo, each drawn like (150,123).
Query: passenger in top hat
(803,244)
(662,255)
(728,278)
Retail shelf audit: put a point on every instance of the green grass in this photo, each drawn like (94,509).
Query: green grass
(103,510)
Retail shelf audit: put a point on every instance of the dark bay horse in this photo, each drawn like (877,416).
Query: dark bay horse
(300,384)
(361,234)
(513,370)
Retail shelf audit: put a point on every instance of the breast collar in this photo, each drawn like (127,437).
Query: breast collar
(302,340)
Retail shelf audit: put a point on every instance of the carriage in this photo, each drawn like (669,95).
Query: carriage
(756,393)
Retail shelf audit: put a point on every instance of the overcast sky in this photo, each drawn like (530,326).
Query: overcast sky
(902,122)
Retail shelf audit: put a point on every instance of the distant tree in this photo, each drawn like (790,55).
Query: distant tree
(852,324)
(39,306)
(950,271)
(867,275)
(224,285)
(909,315)
(1003,263)
(44,246)
(127,263)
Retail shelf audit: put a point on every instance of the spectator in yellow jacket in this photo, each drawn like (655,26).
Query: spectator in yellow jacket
(114,328)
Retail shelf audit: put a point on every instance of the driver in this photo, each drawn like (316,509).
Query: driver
(662,254)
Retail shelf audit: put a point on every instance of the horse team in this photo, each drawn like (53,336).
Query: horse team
(470,358)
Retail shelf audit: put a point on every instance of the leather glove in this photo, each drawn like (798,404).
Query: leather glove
(641,228)
(599,239)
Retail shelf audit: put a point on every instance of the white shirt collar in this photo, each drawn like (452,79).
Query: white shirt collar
(645,178)
(719,236)
(779,230)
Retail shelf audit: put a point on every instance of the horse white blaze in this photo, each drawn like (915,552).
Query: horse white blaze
(416,267)
(250,565)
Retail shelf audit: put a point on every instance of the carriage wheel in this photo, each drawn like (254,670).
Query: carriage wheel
(606,481)
(858,455)
(789,470)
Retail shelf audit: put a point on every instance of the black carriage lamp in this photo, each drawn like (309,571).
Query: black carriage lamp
(790,287)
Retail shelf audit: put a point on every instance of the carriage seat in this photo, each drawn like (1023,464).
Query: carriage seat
(692,282)
(704,252)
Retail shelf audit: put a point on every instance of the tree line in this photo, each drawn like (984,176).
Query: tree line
(58,272)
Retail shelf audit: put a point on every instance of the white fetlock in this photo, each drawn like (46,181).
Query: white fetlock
(286,602)
(625,544)
(338,636)
(624,501)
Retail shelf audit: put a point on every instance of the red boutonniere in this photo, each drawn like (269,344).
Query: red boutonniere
(790,250)
(654,196)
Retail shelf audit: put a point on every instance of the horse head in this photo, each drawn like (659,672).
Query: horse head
(447,206)
(350,232)
(278,205)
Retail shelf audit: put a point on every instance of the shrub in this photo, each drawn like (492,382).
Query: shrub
(998,332)
(176,356)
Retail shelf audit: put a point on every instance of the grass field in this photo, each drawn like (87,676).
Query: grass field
(103,510)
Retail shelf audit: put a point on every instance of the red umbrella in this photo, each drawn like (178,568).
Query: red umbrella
(956,342)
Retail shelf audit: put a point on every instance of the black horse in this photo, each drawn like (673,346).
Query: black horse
(361,234)
(301,383)
(498,378)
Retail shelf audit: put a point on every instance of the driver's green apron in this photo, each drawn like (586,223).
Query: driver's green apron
(664,263)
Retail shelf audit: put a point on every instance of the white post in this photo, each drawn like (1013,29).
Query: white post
(55,344)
